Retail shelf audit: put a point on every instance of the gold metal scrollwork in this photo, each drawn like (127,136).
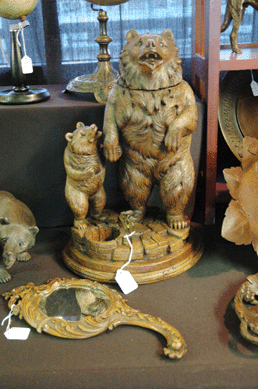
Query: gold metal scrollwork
(99,308)
(246,307)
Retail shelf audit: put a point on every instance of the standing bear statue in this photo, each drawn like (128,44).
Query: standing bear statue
(149,118)
(85,171)
(17,232)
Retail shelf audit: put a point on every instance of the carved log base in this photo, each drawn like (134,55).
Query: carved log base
(159,252)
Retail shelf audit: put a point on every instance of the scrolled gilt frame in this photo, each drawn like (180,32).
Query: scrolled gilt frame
(27,302)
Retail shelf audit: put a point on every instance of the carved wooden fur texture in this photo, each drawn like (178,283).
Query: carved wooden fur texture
(85,174)
(149,118)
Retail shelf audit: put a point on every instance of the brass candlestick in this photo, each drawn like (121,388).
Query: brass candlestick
(102,79)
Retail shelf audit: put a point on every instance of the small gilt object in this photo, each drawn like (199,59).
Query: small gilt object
(246,307)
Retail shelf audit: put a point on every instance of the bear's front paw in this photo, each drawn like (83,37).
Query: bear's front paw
(112,152)
(23,257)
(173,140)
(4,275)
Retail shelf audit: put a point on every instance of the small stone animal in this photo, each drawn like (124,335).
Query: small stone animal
(17,232)
(85,174)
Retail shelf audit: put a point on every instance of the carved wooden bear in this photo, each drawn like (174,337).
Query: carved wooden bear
(149,118)
(85,174)
(17,232)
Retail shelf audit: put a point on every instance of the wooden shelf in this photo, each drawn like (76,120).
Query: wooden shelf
(232,61)
(209,58)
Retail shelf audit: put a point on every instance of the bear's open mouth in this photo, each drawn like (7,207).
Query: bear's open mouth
(95,134)
(151,57)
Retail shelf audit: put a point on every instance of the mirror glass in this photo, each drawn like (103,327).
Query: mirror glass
(74,304)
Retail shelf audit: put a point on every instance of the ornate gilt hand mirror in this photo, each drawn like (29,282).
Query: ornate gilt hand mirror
(78,309)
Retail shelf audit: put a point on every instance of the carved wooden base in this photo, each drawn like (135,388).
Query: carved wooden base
(159,252)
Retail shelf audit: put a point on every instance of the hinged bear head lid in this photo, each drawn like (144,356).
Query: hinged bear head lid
(149,61)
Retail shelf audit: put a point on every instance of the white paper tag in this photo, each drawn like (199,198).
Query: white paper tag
(26,63)
(17,333)
(254,87)
(126,281)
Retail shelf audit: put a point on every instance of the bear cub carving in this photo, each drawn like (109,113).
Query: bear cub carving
(17,232)
(149,118)
(85,174)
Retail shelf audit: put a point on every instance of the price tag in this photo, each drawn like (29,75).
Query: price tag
(254,87)
(26,64)
(17,333)
(126,281)
(14,333)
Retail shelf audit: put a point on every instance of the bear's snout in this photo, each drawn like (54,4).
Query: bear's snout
(8,258)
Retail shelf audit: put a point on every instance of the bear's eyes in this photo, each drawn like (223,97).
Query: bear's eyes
(3,240)
(21,243)
(82,133)
(139,43)
(162,44)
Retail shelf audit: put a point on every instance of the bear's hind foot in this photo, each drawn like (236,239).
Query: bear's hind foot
(178,222)
(4,275)
(128,218)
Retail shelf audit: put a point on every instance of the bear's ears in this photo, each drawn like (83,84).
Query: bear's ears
(34,230)
(168,35)
(69,135)
(80,125)
(131,34)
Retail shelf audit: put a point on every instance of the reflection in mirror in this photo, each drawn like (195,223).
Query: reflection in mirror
(73,304)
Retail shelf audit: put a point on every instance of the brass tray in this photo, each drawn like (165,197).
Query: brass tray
(238,109)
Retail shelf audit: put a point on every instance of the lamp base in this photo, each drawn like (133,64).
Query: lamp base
(99,82)
(28,96)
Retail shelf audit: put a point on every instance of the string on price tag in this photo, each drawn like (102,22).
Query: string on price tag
(123,277)
(14,333)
